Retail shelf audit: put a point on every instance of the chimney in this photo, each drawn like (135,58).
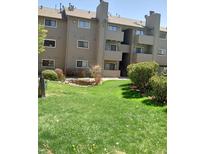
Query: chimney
(151,12)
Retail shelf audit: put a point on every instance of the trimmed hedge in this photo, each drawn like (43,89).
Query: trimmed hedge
(50,75)
(158,88)
(140,73)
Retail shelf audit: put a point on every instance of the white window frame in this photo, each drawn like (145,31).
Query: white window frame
(48,66)
(164,50)
(84,21)
(142,49)
(50,26)
(82,63)
(50,40)
(118,28)
(83,47)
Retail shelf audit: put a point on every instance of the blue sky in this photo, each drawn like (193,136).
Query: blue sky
(135,9)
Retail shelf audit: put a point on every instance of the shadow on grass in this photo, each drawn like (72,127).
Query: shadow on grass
(152,103)
(128,93)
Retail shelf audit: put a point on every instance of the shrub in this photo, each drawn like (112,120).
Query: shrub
(96,73)
(140,73)
(50,75)
(158,88)
(60,74)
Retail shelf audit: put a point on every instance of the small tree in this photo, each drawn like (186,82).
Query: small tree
(42,33)
(96,73)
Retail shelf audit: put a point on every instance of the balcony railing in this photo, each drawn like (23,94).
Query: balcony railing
(160,59)
(144,39)
(112,55)
(114,35)
(111,73)
(124,48)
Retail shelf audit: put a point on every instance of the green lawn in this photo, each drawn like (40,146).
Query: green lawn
(104,119)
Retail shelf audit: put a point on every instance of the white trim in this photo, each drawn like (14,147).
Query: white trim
(50,40)
(50,19)
(82,61)
(84,21)
(83,47)
(164,50)
(48,66)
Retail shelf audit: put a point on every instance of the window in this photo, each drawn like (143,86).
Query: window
(81,63)
(48,63)
(139,50)
(50,43)
(83,24)
(110,66)
(163,35)
(83,44)
(113,28)
(139,32)
(113,47)
(51,23)
(162,52)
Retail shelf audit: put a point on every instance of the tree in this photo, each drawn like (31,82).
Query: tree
(42,33)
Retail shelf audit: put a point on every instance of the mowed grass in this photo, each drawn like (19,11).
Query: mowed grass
(104,119)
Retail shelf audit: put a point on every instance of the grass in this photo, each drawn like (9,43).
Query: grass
(104,119)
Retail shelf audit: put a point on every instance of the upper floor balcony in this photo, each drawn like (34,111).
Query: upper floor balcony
(144,39)
(163,43)
(112,55)
(142,57)
(114,35)
(124,48)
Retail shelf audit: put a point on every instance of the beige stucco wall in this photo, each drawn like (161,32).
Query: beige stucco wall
(74,34)
(57,53)
(111,73)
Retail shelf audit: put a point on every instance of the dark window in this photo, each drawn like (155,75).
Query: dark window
(48,63)
(113,47)
(110,66)
(50,23)
(50,43)
(83,44)
(139,50)
(79,63)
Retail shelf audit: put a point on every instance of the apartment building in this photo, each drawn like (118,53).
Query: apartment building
(78,39)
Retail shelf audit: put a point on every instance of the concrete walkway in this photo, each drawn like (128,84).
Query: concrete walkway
(103,79)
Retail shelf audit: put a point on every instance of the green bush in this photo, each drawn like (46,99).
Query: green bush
(50,75)
(158,88)
(140,73)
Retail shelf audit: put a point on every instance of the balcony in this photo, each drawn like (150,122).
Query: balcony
(141,57)
(163,43)
(144,39)
(113,55)
(111,73)
(124,48)
(114,35)
(160,59)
